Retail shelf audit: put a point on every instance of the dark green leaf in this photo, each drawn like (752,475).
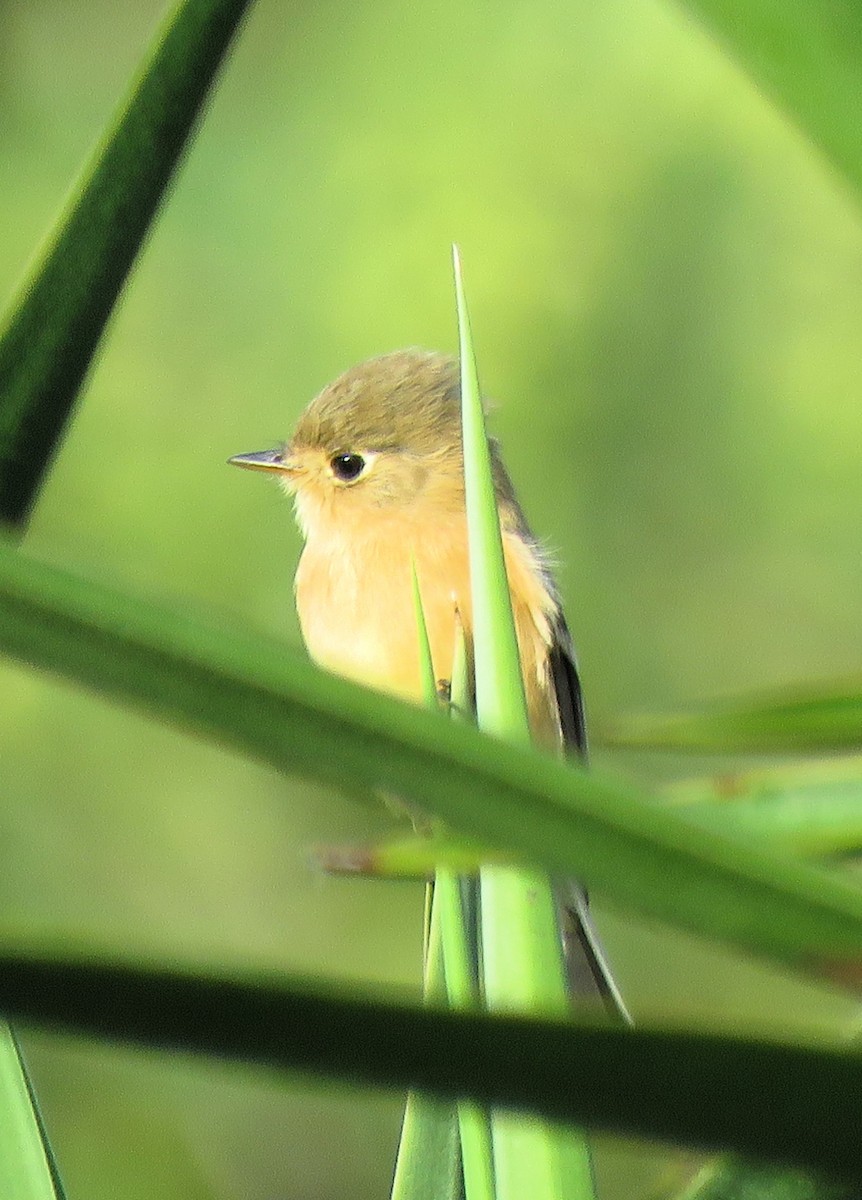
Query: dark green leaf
(791,1103)
(51,336)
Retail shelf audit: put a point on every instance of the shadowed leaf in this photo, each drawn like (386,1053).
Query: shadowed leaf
(798,1104)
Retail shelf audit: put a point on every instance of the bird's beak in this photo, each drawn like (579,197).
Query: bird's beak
(265,460)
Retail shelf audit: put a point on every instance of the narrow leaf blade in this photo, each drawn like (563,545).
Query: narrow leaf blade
(522,964)
(27,1167)
(799,1104)
(52,333)
(501,708)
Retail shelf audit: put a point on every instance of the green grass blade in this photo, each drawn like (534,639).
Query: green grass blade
(415,857)
(462,951)
(264,698)
(448,916)
(460,916)
(52,333)
(753,783)
(428,1166)
(27,1168)
(500,705)
(460,685)
(806,55)
(462,993)
(801,720)
(796,1104)
(426,664)
(522,965)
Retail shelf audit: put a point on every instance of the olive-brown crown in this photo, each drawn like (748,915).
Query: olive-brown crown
(407,401)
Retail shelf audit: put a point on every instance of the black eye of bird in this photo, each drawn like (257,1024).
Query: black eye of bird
(347,467)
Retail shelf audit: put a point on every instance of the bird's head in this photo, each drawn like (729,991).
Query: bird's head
(382,439)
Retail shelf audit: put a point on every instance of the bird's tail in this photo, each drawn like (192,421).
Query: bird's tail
(587,967)
(585,961)
(588,970)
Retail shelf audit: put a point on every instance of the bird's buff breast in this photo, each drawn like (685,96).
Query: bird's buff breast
(354,595)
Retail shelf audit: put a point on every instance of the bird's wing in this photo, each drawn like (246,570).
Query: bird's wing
(567,688)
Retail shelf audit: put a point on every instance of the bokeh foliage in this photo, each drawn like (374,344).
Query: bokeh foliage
(664,280)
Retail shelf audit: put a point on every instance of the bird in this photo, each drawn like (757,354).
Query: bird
(375,470)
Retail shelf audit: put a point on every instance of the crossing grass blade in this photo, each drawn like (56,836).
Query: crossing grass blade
(428,1163)
(263,698)
(789,1103)
(733,1178)
(811,808)
(449,926)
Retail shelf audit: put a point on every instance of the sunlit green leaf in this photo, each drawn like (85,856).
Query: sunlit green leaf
(27,1167)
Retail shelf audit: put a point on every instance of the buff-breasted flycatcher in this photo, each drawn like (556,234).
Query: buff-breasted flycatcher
(376,472)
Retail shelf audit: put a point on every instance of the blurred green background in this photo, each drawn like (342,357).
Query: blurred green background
(665,282)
